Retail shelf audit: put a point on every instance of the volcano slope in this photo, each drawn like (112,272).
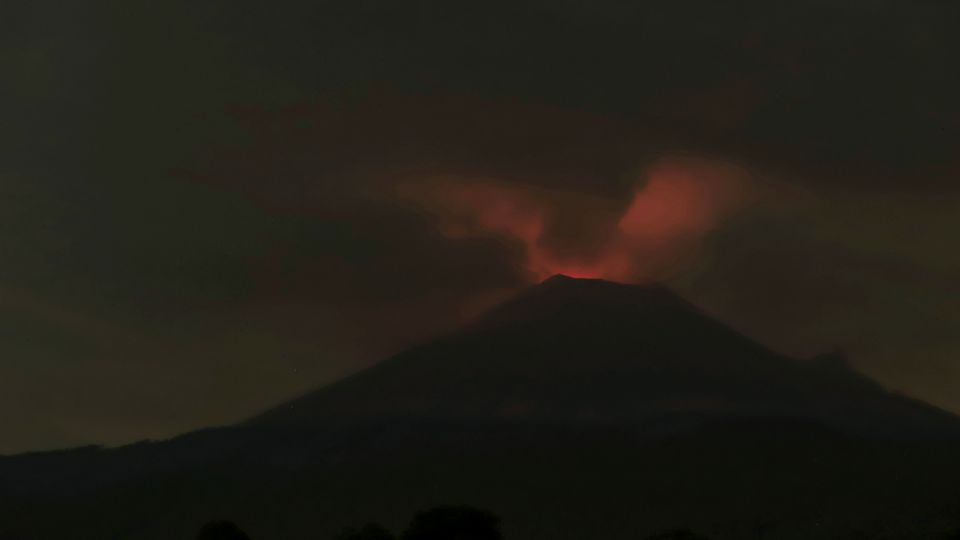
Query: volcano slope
(578,409)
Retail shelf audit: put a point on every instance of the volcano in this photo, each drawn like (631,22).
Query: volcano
(592,352)
(579,408)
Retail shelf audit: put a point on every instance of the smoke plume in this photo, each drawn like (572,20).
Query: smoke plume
(670,212)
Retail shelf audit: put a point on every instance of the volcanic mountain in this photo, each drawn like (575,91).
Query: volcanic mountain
(577,409)
(593,352)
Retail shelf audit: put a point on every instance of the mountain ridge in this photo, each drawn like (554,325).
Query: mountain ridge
(572,392)
(585,350)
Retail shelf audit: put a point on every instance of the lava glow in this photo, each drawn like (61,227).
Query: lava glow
(580,235)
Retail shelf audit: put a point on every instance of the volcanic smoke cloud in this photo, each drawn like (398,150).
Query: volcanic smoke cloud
(671,212)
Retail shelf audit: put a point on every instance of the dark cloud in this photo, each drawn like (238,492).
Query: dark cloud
(200,212)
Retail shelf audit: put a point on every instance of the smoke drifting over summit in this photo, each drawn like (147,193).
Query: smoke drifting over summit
(672,209)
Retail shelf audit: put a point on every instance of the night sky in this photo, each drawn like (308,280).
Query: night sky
(211,207)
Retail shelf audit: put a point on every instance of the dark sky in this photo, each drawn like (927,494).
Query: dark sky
(209,207)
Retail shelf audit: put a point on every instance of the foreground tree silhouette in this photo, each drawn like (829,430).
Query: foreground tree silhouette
(678,534)
(454,523)
(370,531)
(221,530)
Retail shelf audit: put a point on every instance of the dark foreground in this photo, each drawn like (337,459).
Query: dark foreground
(726,484)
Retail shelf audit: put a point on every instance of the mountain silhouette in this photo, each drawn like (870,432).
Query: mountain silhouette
(586,351)
(576,409)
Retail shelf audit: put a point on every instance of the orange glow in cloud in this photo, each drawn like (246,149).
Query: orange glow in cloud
(668,216)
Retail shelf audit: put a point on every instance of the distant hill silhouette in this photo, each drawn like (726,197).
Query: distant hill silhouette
(577,409)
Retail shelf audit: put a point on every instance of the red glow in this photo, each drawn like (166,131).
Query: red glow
(683,199)
(667,217)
